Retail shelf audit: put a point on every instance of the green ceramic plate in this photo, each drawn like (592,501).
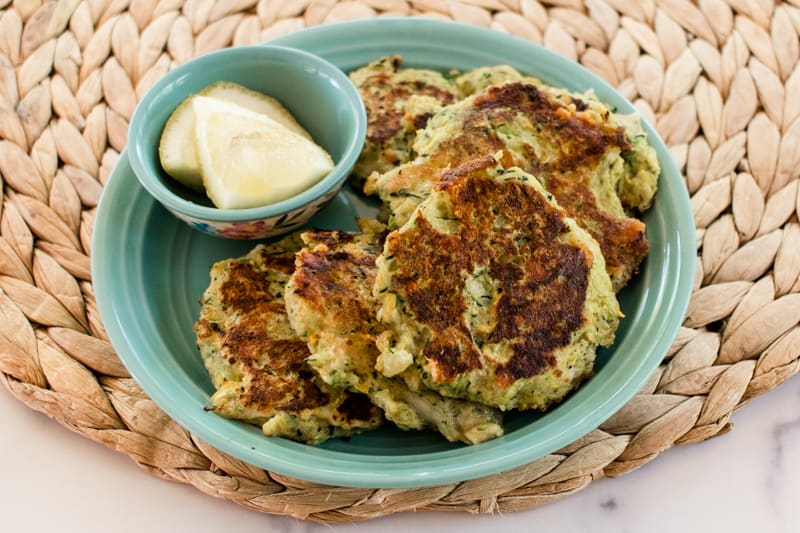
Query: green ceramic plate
(149,270)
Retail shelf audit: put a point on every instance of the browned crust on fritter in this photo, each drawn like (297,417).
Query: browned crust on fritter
(283,263)
(263,346)
(381,93)
(543,282)
(357,407)
(421,120)
(244,287)
(582,143)
(330,277)
(288,383)
(566,174)
(622,240)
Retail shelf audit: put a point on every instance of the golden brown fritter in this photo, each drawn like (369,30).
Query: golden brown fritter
(329,300)
(577,149)
(257,363)
(492,293)
(398,103)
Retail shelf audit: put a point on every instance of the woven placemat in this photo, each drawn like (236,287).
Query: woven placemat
(719,79)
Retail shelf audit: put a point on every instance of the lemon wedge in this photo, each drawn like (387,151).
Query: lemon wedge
(176,149)
(254,101)
(248,160)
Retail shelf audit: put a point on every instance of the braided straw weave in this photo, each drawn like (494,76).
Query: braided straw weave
(719,78)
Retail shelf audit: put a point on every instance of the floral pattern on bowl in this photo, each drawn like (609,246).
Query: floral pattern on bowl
(261,228)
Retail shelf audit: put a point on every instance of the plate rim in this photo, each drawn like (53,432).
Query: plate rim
(415,477)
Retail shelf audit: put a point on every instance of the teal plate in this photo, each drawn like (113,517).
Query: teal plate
(149,270)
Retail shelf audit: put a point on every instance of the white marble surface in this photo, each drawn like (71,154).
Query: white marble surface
(745,481)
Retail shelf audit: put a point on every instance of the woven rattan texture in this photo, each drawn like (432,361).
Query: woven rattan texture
(719,78)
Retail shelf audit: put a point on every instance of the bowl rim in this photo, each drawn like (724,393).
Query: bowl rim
(339,173)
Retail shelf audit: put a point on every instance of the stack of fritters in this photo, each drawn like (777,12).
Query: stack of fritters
(257,363)
(595,164)
(492,293)
(330,303)
(259,360)
(510,207)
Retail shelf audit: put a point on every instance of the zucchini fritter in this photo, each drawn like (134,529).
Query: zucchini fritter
(398,103)
(595,163)
(479,79)
(329,300)
(257,363)
(492,293)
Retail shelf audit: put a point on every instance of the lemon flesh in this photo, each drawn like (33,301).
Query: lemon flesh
(254,101)
(249,160)
(177,146)
(176,149)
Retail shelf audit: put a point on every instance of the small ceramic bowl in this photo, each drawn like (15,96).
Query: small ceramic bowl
(318,94)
